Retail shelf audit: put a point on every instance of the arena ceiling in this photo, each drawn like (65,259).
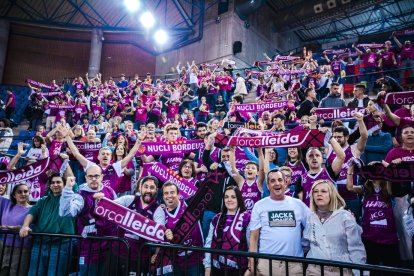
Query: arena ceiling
(182,19)
(324,21)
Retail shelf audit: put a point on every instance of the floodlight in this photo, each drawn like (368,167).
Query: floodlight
(132,5)
(160,36)
(147,20)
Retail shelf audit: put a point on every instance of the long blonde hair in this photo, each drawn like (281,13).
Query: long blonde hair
(336,201)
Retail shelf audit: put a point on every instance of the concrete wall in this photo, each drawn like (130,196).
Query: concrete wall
(41,54)
(218,39)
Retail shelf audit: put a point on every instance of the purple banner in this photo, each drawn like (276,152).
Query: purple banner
(89,150)
(259,107)
(39,84)
(130,220)
(338,113)
(187,189)
(400,98)
(166,148)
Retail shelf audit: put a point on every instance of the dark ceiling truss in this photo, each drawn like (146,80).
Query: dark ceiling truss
(379,18)
(183,19)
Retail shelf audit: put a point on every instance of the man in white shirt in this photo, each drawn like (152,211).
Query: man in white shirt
(276,225)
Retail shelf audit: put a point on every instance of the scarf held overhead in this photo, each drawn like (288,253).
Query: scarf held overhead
(38,84)
(302,138)
(130,220)
(338,113)
(403,172)
(165,148)
(187,188)
(400,98)
(259,107)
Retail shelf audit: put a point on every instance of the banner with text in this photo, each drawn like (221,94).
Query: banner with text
(302,138)
(130,220)
(338,113)
(165,148)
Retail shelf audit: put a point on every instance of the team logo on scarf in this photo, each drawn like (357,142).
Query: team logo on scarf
(302,138)
(130,220)
(400,98)
(338,113)
(403,172)
(258,107)
(187,188)
(165,148)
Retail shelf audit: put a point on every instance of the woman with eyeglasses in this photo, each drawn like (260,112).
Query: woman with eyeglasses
(229,230)
(13,213)
(331,232)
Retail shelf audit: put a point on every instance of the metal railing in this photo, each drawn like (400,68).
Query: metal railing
(42,252)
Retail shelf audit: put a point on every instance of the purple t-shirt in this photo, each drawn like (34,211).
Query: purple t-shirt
(13,102)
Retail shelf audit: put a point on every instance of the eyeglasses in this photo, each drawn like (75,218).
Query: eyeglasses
(95,176)
(22,192)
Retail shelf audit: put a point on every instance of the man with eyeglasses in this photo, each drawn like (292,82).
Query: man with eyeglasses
(145,203)
(112,172)
(52,255)
(94,255)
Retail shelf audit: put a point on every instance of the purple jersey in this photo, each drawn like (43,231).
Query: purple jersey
(341,182)
(336,67)
(378,223)
(298,170)
(195,238)
(261,88)
(91,224)
(251,194)
(308,180)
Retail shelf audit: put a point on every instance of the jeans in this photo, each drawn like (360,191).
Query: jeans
(211,100)
(50,259)
(35,123)
(207,218)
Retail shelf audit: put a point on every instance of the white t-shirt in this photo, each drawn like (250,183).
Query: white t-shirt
(280,223)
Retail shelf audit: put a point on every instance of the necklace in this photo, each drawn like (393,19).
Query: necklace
(323,215)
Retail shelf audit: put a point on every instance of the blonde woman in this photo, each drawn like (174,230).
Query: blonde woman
(331,231)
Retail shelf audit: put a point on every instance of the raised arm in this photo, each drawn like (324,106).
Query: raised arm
(262,167)
(397,41)
(362,131)
(131,154)
(350,181)
(339,158)
(234,172)
(20,151)
(74,150)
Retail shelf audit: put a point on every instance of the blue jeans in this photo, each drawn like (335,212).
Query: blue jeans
(207,218)
(211,100)
(50,259)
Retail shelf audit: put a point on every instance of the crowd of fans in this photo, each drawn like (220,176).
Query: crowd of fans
(291,201)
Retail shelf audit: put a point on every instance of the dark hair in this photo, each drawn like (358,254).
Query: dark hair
(300,157)
(201,124)
(238,99)
(114,156)
(183,163)
(307,90)
(342,129)
(146,178)
(55,174)
(12,199)
(280,116)
(252,163)
(240,201)
(361,86)
(273,171)
(334,84)
(38,138)
(369,190)
(6,122)
(168,184)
